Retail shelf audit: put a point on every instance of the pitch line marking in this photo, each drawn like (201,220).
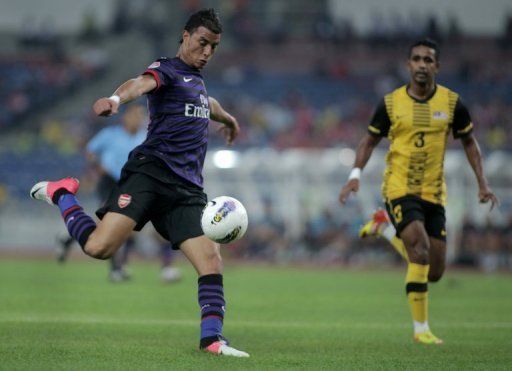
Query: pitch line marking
(269,324)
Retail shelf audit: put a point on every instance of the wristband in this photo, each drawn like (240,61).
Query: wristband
(355,174)
(115,98)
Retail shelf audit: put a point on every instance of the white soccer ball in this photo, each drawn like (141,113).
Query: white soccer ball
(224,219)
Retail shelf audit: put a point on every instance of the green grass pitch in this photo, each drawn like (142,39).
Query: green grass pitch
(70,318)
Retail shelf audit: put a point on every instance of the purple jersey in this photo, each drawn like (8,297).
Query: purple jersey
(179,116)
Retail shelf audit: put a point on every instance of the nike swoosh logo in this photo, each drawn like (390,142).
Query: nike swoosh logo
(35,191)
(187,80)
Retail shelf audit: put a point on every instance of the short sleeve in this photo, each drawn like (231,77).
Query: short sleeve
(462,124)
(98,143)
(162,73)
(380,123)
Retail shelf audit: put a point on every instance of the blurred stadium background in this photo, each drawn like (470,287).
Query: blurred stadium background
(303,78)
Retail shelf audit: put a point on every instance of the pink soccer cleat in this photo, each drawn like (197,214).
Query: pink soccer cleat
(44,191)
(221,348)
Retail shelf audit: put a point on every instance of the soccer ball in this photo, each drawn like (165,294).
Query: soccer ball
(224,219)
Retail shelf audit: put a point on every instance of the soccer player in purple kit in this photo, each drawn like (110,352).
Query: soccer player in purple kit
(161,181)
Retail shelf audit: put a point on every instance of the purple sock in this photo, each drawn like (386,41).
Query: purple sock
(79,224)
(211,301)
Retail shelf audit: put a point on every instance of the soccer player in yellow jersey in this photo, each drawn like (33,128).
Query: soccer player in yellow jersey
(417,119)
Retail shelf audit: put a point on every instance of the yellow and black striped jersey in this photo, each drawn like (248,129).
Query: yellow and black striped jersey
(418,133)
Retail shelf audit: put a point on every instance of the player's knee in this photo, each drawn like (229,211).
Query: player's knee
(98,250)
(417,249)
(435,275)
(419,258)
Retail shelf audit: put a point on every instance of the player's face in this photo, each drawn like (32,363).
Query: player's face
(199,46)
(423,65)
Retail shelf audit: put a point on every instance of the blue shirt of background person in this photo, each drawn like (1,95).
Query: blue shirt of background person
(110,147)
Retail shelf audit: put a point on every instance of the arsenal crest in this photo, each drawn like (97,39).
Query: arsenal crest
(124,200)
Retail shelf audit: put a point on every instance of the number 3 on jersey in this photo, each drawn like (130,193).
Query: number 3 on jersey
(397,213)
(420,139)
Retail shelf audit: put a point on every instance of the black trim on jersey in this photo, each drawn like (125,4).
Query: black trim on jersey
(380,122)
(462,124)
(421,100)
(416,287)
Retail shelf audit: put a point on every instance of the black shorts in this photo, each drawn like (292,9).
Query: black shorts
(406,209)
(149,191)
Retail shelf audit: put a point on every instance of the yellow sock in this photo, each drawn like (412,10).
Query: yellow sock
(399,246)
(417,292)
(388,231)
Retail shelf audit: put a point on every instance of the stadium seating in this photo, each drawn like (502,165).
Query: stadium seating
(311,106)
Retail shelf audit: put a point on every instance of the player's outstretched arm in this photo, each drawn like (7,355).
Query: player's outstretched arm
(217,113)
(363,154)
(474,156)
(127,92)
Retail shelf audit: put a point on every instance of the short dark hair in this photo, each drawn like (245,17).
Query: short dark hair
(207,18)
(429,43)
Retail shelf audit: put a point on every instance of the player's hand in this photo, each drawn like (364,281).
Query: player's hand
(230,131)
(351,186)
(485,194)
(105,107)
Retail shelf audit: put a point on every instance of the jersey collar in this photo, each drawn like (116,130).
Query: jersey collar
(185,67)
(421,100)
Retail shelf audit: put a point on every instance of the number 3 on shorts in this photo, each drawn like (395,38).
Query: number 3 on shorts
(397,213)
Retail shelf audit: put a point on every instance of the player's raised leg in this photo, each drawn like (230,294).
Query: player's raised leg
(62,193)
(206,259)
(98,241)
(416,283)
(381,226)
(437,256)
